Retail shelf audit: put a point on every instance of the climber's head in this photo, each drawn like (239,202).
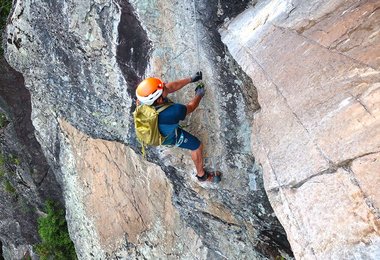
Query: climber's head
(149,90)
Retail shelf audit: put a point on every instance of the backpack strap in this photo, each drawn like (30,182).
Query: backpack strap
(161,108)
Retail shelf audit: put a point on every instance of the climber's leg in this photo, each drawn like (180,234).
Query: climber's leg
(197,157)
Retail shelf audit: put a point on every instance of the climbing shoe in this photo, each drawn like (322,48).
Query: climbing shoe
(214,177)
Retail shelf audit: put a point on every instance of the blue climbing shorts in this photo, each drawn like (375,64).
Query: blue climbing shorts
(184,140)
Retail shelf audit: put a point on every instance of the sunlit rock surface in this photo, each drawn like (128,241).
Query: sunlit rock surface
(291,98)
(317,135)
(81,63)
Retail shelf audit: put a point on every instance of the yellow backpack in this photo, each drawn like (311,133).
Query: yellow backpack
(146,125)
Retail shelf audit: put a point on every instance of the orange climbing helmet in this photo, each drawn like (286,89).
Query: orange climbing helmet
(149,90)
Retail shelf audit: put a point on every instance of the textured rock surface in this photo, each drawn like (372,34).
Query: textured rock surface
(313,126)
(81,62)
(25,178)
(317,136)
(127,201)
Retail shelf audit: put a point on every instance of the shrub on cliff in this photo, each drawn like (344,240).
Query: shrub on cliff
(5,8)
(56,242)
(8,187)
(3,120)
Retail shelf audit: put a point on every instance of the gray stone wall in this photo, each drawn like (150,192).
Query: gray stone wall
(289,111)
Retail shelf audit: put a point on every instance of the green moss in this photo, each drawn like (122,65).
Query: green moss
(3,119)
(56,242)
(2,166)
(8,187)
(3,159)
(15,160)
(5,8)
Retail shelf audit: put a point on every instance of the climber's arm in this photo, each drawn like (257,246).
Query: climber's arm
(193,104)
(177,85)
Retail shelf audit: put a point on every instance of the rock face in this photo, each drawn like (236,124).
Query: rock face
(317,135)
(81,63)
(26,180)
(312,126)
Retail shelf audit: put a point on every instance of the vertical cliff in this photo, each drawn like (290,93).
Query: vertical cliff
(81,63)
(289,114)
(317,135)
(26,180)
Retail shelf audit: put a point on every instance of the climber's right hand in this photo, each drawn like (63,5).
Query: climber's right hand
(200,90)
(197,76)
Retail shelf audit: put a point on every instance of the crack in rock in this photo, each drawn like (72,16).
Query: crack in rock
(346,164)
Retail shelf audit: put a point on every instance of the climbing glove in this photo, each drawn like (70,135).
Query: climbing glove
(197,76)
(200,90)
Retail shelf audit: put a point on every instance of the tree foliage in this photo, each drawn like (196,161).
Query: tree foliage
(5,8)
(56,242)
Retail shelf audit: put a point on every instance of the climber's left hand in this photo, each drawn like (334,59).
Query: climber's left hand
(197,76)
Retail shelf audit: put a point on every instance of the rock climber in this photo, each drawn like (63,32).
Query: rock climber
(154,92)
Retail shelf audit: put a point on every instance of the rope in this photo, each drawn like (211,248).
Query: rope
(196,34)
(199,69)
